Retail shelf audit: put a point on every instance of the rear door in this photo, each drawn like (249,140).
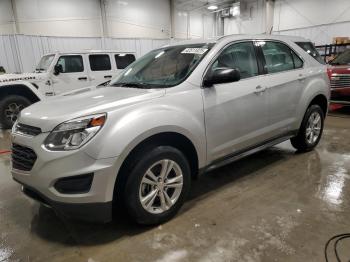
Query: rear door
(74,73)
(284,79)
(100,68)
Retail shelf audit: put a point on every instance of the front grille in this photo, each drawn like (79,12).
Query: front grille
(23,158)
(27,130)
(340,81)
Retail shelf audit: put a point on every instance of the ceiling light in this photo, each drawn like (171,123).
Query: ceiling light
(212,7)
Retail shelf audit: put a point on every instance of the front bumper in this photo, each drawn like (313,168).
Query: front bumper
(340,95)
(39,182)
(90,212)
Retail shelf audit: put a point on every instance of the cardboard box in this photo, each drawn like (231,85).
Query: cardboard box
(340,40)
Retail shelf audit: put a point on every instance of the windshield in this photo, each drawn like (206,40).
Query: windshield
(44,63)
(163,67)
(342,59)
(311,50)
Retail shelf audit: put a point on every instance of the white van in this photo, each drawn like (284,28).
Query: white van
(55,74)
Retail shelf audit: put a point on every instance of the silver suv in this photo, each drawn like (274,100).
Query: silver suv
(176,112)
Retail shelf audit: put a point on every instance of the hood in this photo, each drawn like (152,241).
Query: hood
(49,113)
(31,77)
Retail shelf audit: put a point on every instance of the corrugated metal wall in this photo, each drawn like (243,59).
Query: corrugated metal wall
(21,53)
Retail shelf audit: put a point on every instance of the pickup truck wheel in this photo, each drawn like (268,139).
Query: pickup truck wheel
(310,131)
(157,185)
(10,107)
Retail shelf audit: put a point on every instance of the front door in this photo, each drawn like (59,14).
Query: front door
(236,114)
(74,74)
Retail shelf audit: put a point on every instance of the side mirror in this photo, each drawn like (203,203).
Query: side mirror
(57,70)
(222,75)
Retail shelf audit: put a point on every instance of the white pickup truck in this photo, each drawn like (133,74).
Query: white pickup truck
(55,74)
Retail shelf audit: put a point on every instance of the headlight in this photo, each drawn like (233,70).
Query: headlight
(75,133)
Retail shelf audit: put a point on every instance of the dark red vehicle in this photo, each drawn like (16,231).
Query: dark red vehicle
(339,75)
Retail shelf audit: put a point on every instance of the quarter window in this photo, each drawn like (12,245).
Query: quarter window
(123,60)
(311,50)
(240,56)
(298,63)
(99,62)
(71,63)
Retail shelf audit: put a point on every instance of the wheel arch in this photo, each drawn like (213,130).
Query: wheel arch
(322,101)
(19,89)
(174,139)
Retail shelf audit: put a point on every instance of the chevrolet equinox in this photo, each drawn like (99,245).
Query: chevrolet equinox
(174,113)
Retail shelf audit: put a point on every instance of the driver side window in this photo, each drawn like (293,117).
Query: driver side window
(240,56)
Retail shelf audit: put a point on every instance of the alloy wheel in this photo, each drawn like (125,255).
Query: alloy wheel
(12,111)
(313,128)
(161,186)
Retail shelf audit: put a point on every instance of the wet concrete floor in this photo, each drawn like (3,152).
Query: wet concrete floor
(276,205)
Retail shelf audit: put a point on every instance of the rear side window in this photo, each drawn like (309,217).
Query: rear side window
(99,62)
(311,50)
(71,63)
(241,56)
(278,57)
(123,60)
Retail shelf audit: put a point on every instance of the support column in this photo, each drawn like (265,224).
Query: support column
(15,17)
(103,18)
(172,19)
(188,25)
(269,13)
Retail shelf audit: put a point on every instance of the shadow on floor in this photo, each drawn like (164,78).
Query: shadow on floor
(47,225)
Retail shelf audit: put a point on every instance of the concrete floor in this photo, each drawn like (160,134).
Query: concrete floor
(274,206)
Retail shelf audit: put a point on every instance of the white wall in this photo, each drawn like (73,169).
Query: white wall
(138,18)
(193,24)
(6,17)
(318,20)
(59,18)
(251,20)
(181,24)
(82,18)
(293,14)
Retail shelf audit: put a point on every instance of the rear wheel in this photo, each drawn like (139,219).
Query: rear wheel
(310,131)
(10,107)
(157,185)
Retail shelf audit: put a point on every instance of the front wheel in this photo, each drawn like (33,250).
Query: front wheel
(10,107)
(310,131)
(157,185)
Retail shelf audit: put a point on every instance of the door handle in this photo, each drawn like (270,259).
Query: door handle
(301,77)
(107,76)
(82,78)
(259,89)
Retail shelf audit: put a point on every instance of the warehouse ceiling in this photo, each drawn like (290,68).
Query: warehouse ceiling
(201,5)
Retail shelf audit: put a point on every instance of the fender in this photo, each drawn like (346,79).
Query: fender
(22,84)
(140,124)
(316,86)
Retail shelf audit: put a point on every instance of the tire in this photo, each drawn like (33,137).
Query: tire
(309,136)
(136,188)
(10,107)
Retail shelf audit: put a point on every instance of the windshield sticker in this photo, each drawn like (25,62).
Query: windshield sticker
(197,51)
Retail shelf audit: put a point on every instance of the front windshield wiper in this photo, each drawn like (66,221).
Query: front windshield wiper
(134,85)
